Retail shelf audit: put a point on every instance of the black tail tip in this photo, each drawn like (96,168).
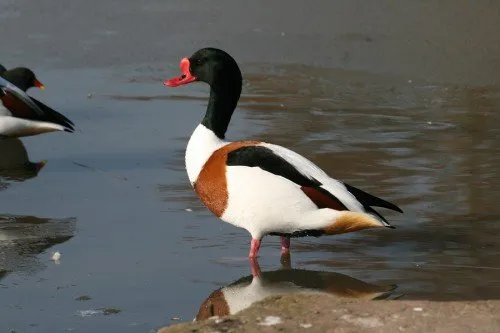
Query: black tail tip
(69,130)
(390,226)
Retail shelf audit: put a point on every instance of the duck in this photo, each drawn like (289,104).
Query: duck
(262,187)
(22,115)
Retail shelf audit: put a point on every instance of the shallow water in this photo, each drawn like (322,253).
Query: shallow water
(405,110)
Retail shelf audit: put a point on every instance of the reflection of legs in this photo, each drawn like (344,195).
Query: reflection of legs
(285,245)
(254,267)
(254,248)
(285,261)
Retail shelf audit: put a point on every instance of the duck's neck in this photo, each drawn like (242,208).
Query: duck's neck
(209,135)
(201,145)
(221,105)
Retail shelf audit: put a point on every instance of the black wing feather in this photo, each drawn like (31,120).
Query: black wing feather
(53,116)
(367,199)
(266,159)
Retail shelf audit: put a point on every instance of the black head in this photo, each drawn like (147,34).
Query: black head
(215,67)
(209,65)
(220,71)
(23,78)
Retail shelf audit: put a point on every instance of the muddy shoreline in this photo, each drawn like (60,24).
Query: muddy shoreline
(325,314)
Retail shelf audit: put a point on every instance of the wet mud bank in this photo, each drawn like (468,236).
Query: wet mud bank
(323,313)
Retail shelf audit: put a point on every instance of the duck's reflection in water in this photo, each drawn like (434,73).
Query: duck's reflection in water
(15,164)
(242,293)
(22,238)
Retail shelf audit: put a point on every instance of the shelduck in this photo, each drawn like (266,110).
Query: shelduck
(24,78)
(22,115)
(265,188)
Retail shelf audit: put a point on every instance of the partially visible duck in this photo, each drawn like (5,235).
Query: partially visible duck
(22,77)
(264,188)
(22,115)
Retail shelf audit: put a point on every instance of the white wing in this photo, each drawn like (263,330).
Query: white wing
(312,171)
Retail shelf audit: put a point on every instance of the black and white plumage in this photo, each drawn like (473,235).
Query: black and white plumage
(280,162)
(265,188)
(22,115)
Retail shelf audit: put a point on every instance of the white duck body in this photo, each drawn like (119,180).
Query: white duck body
(262,202)
(14,127)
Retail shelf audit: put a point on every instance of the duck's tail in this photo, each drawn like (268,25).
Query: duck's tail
(332,222)
(55,117)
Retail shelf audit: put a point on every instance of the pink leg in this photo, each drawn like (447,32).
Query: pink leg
(285,245)
(285,260)
(254,248)
(254,266)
